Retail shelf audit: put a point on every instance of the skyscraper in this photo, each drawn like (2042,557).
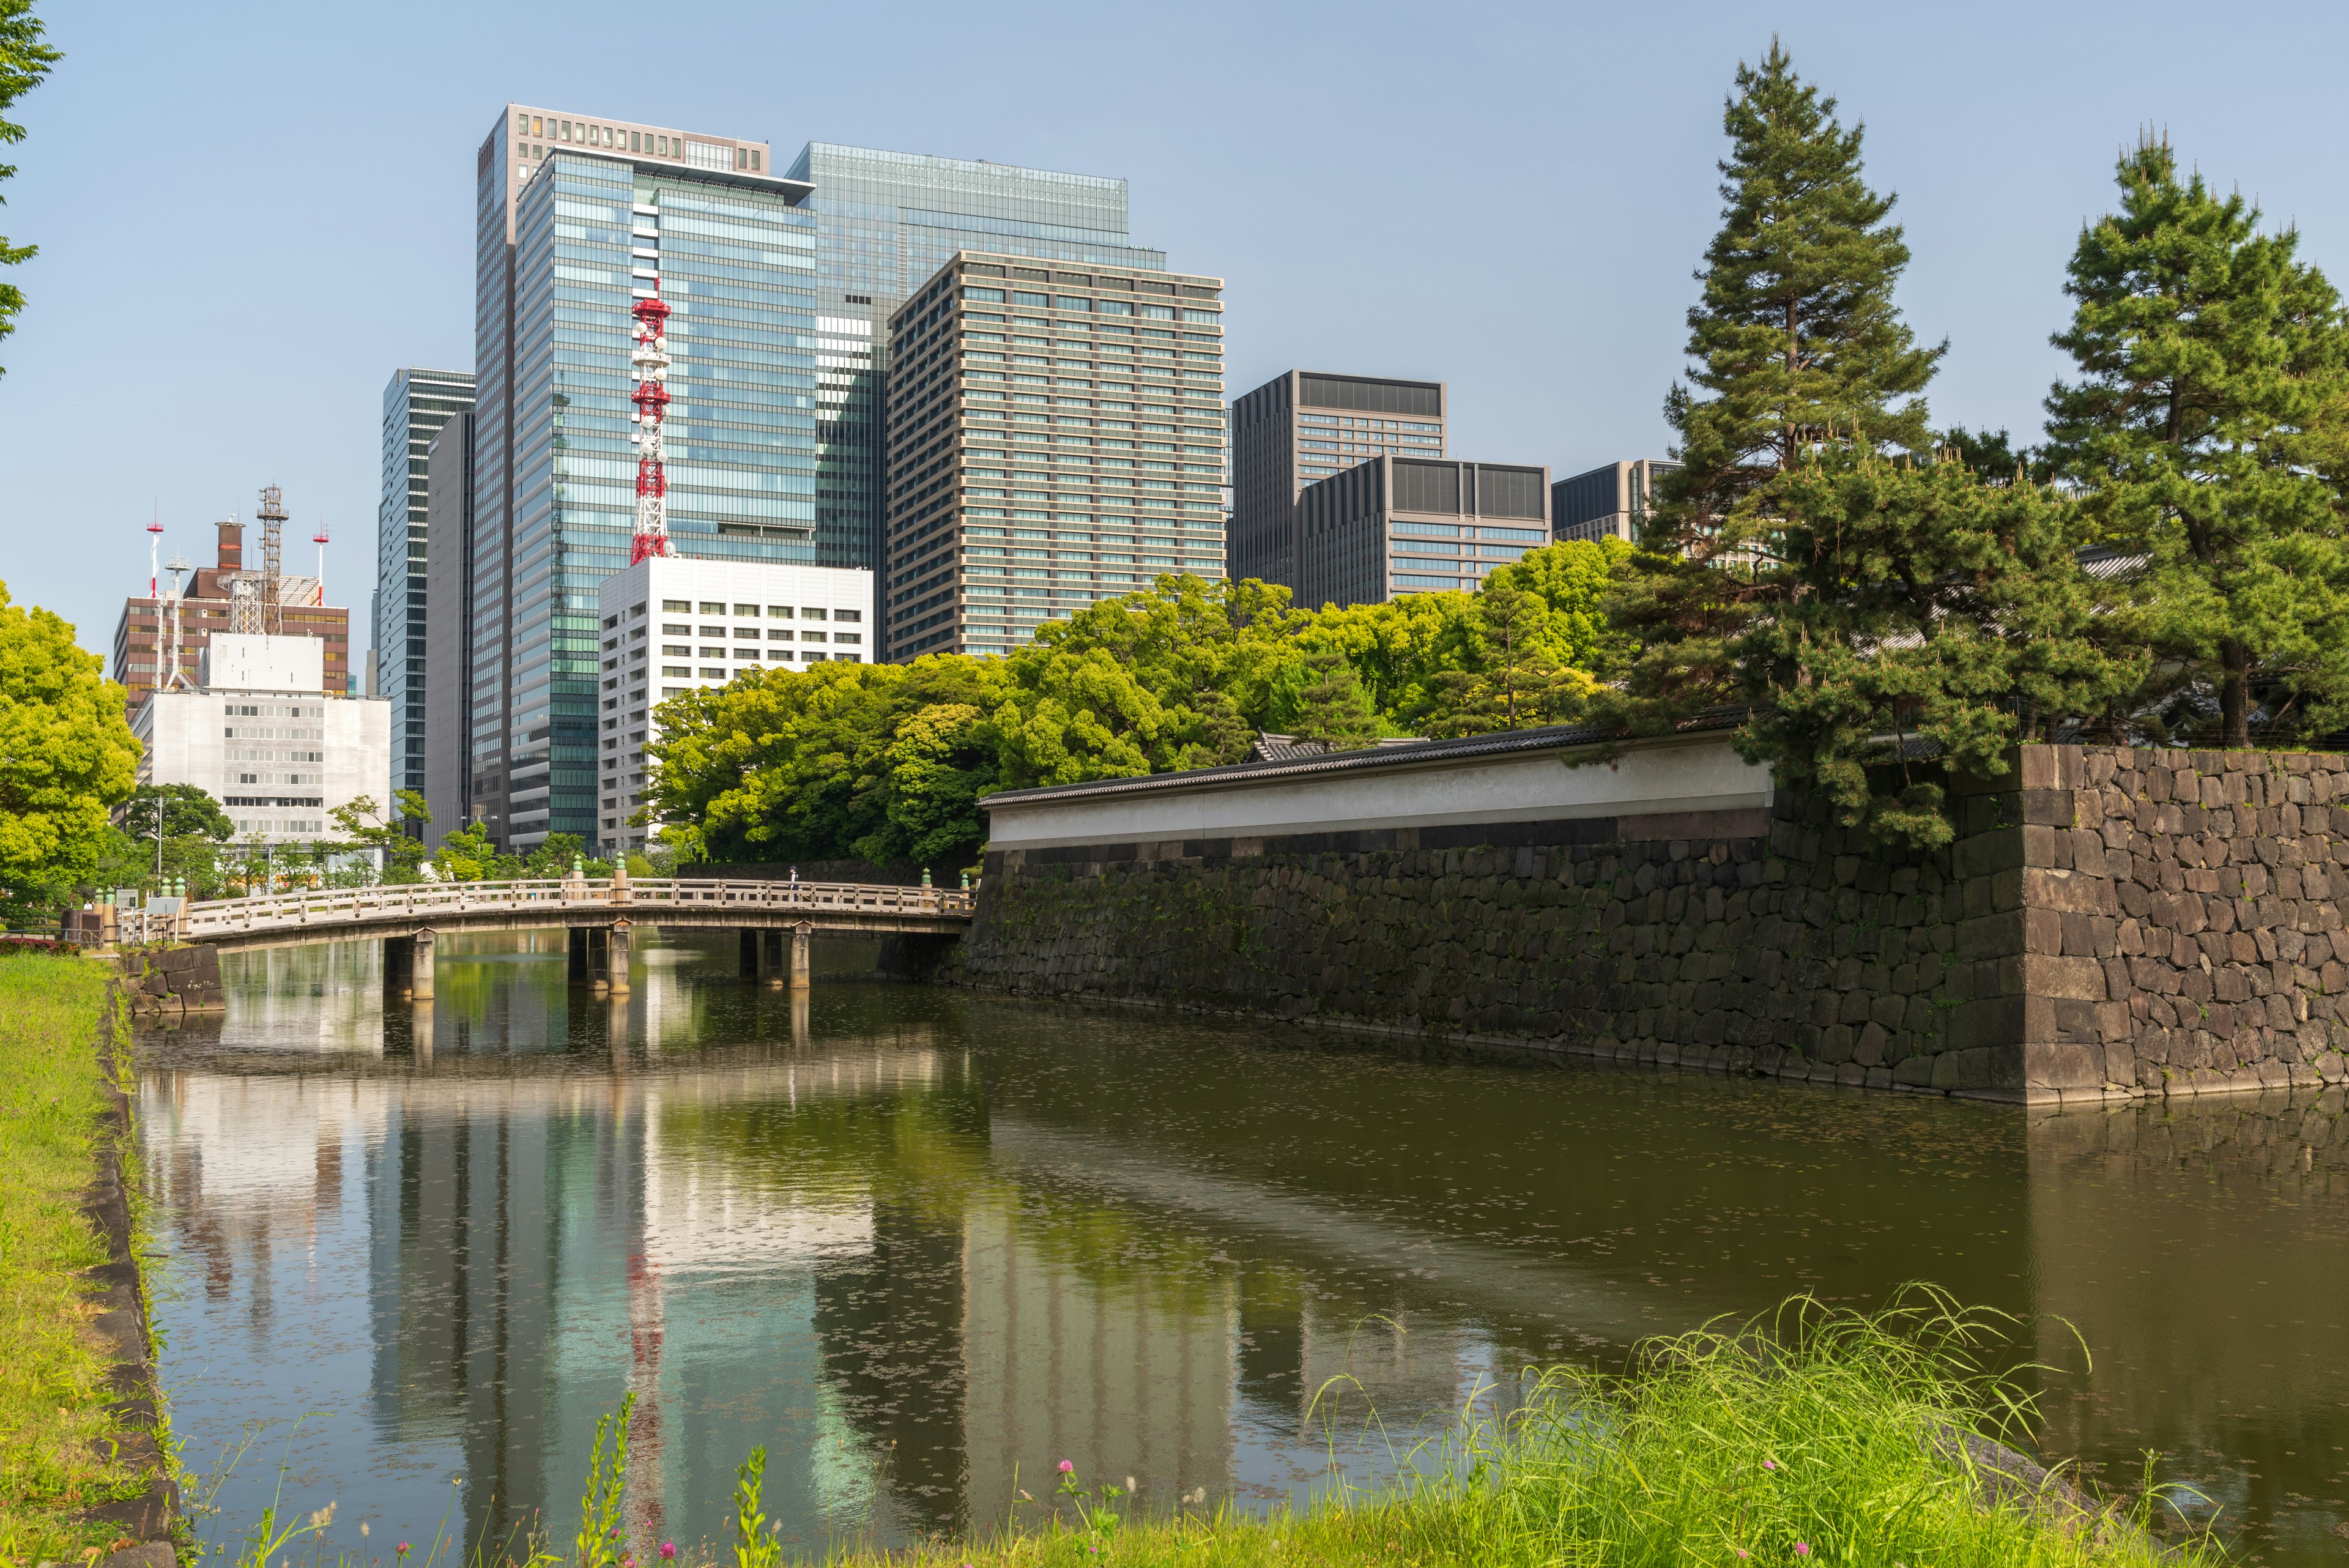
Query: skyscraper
(1609,502)
(415,404)
(1055,437)
(886,221)
(1398,525)
(576,218)
(1305,426)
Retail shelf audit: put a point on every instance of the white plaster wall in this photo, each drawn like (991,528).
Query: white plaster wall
(1694,776)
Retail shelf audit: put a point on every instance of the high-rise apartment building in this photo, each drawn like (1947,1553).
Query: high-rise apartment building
(576,218)
(448,658)
(1399,525)
(886,222)
(415,404)
(1055,437)
(1302,426)
(1611,502)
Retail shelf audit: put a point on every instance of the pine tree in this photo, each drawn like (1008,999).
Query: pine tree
(2210,429)
(1797,343)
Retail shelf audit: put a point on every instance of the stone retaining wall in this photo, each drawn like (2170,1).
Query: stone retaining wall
(2090,933)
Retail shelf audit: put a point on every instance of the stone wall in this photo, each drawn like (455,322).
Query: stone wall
(2089,933)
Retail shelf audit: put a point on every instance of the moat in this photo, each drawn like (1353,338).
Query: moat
(923,1244)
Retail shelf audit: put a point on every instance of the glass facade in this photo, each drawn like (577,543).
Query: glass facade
(733,249)
(1056,437)
(885,222)
(415,404)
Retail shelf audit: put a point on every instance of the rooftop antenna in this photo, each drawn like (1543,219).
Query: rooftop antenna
(176,680)
(649,363)
(273,541)
(320,539)
(154,538)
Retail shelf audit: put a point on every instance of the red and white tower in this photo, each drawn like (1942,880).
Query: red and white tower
(320,539)
(648,362)
(154,538)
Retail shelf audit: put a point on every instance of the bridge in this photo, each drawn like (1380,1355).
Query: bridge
(601,913)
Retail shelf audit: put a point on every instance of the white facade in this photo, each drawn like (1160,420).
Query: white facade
(260,739)
(672,625)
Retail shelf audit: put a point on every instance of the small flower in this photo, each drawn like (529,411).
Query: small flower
(363,1529)
(668,1549)
(401,1549)
(1769,1464)
(1066,1468)
(1802,1548)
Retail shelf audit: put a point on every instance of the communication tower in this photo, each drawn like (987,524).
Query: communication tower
(320,539)
(272,545)
(176,680)
(649,363)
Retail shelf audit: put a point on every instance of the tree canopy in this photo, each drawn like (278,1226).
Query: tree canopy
(25,60)
(66,756)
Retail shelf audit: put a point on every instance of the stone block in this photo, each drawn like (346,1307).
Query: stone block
(2061,1066)
(1975,1068)
(2066,892)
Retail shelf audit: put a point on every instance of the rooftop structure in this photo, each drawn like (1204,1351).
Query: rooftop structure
(1398,525)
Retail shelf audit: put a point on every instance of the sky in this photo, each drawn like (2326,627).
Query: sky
(250,214)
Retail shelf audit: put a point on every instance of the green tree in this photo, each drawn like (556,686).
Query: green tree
(470,854)
(1994,455)
(1330,705)
(1520,683)
(2207,430)
(67,757)
(1795,343)
(189,811)
(25,60)
(366,826)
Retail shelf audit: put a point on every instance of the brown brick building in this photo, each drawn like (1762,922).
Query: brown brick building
(143,633)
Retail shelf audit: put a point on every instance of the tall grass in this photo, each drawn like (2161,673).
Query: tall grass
(54,1458)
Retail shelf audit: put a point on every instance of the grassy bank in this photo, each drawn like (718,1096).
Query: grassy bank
(1813,1438)
(1817,1437)
(54,1427)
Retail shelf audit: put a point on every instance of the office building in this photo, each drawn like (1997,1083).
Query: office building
(259,734)
(669,626)
(143,635)
(415,404)
(1399,525)
(579,217)
(1611,502)
(1305,426)
(448,640)
(1055,437)
(884,223)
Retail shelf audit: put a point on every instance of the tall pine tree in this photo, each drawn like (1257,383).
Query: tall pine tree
(2210,429)
(1795,343)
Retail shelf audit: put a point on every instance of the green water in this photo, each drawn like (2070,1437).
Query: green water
(923,1245)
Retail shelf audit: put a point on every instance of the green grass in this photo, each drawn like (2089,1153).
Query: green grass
(54,1458)
(1809,1438)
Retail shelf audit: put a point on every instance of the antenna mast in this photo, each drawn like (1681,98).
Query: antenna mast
(320,539)
(175,681)
(648,362)
(154,538)
(273,541)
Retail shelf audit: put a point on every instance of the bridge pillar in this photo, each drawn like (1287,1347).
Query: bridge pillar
(618,950)
(420,1034)
(399,966)
(771,955)
(599,958)
(578,968)
(420,988)
(800,935)
(749,954)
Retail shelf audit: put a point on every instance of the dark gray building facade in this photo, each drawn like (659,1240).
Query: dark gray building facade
(1398,525)
(1306,426)
(448,634)
(1611,502)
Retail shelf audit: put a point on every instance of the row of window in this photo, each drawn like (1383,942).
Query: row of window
(1079,303)
(1335,421)
(532,128)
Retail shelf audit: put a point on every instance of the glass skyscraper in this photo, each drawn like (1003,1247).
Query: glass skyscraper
(415,404)
(886,223)
(576,218)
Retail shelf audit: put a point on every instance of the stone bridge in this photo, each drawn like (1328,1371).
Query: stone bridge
(601,913)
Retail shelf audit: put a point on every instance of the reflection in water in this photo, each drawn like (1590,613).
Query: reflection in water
(921,1245)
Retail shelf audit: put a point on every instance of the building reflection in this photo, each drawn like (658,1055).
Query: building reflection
(921,1274)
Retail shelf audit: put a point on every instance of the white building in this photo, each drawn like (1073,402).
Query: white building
(671,626)
(259,738)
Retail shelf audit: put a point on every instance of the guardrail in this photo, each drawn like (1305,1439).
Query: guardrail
(555,897)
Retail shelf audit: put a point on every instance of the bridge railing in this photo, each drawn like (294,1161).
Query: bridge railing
(554,897)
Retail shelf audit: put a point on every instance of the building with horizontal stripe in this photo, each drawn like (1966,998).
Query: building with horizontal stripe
(1398,525)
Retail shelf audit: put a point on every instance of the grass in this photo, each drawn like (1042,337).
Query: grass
(1812,1436)
(54,1455)
(1816,1437)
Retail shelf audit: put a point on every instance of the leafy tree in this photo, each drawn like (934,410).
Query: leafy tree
(2207,429)
(366,826)
(556,855)
(66,756)
(1917,618)
(1330,705)
(470,854)
(1797,343)
(1520,684)
(25,60)
(189,811)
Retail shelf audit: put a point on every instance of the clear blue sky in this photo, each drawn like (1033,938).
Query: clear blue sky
(249,215)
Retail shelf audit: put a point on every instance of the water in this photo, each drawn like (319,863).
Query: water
(923,1245)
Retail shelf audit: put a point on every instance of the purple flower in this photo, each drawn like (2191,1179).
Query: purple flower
(669,1550)
(628,1563)
(1802,1548)
(401,1549)
(1769,1464)
(1066,1468)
